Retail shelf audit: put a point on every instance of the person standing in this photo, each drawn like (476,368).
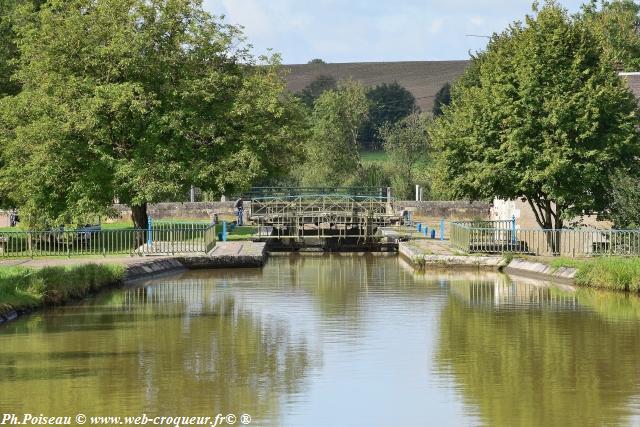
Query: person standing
(13,218)
(239,210)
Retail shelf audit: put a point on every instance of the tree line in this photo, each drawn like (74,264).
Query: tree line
(140,99)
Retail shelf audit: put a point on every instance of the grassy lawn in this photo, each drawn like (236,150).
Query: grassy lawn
(373,156)
(239,233)
(24,288)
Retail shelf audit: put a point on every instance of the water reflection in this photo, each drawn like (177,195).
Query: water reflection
(529,355)
(172,347)
(503,292)
(334,341)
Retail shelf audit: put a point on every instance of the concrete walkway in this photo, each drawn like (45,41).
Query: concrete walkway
(437,253)
(224,254)
(238,249)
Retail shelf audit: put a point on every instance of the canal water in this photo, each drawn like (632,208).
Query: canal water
(333,340)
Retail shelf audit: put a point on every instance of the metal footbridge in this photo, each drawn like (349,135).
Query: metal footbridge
(312,215)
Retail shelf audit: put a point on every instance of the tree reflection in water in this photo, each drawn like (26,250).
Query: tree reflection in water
(166,349)
(525,355)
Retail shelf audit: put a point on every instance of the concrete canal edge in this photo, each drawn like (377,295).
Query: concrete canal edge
(225,255)
(533,269)
(536,269)
(420,260)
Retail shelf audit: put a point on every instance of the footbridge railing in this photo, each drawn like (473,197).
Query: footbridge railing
(260,192)
(314,207)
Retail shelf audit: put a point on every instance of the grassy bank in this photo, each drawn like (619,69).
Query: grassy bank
(615,273)
(26,288)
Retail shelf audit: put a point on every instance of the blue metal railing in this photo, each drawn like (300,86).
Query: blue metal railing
(506,237)
(157,238)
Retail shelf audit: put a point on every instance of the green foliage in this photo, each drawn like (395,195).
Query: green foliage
(443,98)
(374,175)
(8,49)
(317,87)
(316,61)
(625,206)
(541,114)
(406,144)
(22,288)
(616,25)
(137,99)
(333,157)
(389,103)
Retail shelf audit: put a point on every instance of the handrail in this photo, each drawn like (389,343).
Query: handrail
(546,242)
(298,191)
(160,239)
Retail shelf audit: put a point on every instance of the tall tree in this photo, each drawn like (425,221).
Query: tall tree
(390,103)
(546,119)
(317,87)
(136,99)
(406,144)
(443,98)
(333,157)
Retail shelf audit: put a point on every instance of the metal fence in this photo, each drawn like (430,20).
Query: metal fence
(160,239)
(496,237)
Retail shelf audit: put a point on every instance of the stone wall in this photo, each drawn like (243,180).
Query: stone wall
(458,209)
(197,210)
(526,219)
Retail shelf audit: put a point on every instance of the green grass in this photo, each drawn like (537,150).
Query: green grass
(614,273)
(239,233)
(373,156)
(25,288)
(567,262)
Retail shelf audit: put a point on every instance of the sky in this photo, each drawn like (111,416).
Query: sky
(373,30)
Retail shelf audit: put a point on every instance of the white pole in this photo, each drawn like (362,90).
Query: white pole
(417,193)
(192,194)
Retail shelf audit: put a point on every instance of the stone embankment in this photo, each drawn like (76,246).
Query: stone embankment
(224,255)
(430,254)
(538,269)
(421,256)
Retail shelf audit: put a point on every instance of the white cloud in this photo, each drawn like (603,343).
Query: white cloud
(477,20)
(436,25)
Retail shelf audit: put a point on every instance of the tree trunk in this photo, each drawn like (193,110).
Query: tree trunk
(549,220)
(140,222)
(139,216)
